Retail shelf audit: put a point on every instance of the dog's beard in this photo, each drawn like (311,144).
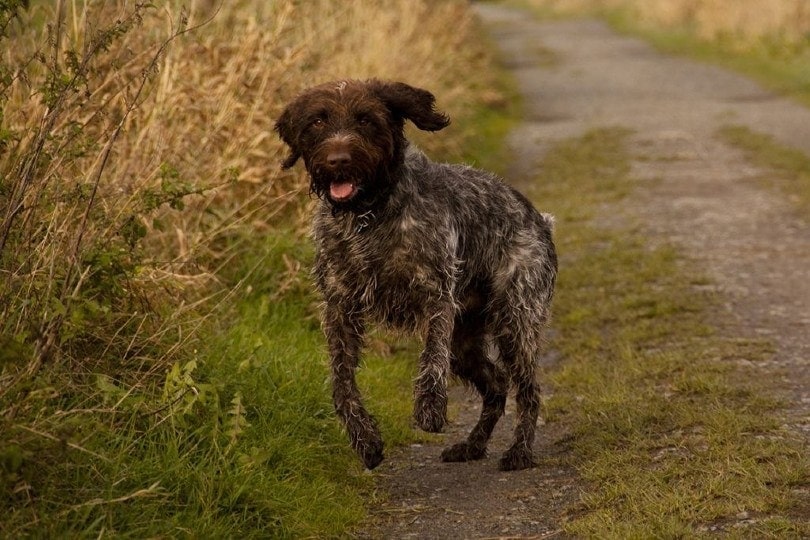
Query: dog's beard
(342,190)
(351,189)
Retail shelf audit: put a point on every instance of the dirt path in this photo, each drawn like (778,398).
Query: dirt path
(701,194)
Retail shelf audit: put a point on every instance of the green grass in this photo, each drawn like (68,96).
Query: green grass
(665,426)
(489,127)
(243,443)
(786,169)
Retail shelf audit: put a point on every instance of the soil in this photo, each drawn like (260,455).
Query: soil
(696,192)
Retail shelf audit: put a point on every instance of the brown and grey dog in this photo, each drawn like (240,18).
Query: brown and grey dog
(448,251)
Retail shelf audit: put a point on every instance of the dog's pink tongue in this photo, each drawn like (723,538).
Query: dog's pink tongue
(341,190)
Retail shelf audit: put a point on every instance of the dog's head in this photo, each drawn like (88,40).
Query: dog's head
(350,136)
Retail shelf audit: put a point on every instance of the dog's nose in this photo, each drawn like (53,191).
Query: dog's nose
(338,158)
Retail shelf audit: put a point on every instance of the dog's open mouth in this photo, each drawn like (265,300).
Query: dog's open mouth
(342,190)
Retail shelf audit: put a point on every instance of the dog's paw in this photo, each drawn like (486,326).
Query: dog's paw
(366,440)
(372,457)
(463,451)
(517,458)
(371,454)
(430,412)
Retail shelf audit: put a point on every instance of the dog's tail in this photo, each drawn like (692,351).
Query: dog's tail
(549,219)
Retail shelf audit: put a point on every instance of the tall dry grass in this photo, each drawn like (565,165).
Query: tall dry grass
(743,21)
(138,143)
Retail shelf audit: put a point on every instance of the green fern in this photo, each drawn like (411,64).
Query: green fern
(235,421)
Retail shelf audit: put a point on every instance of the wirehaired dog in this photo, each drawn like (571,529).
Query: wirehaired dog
(447,251)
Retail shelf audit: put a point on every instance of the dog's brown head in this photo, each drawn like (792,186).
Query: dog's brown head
(350,135)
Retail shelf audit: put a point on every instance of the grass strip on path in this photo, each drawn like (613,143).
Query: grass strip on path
(788,169)
(665,425)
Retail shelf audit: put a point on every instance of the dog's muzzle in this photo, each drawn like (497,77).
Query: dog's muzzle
(342,187)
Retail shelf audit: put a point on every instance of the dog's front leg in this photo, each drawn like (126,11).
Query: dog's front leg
(430,393)
(344,335)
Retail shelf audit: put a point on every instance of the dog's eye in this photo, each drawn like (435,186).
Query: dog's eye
(318,122)
(363,120)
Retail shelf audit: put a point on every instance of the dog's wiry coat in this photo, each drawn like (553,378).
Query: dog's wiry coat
(447,251)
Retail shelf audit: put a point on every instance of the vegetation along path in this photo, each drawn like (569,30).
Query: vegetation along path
(702,144)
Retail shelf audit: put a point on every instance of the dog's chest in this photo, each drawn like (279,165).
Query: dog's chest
(395,276)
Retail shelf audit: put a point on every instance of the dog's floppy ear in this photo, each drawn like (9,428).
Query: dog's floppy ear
(408,102)
(288,131)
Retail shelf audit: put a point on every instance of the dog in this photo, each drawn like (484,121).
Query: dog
(447,251)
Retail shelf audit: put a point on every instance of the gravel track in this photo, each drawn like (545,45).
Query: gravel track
(696,192)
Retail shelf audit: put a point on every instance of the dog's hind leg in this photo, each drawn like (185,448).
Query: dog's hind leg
(470,362)
(520,361)
(520,315)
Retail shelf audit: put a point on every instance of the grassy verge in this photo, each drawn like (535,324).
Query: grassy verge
(245,443)
(490,123)
(162,372)
(671,435)
(788,170)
